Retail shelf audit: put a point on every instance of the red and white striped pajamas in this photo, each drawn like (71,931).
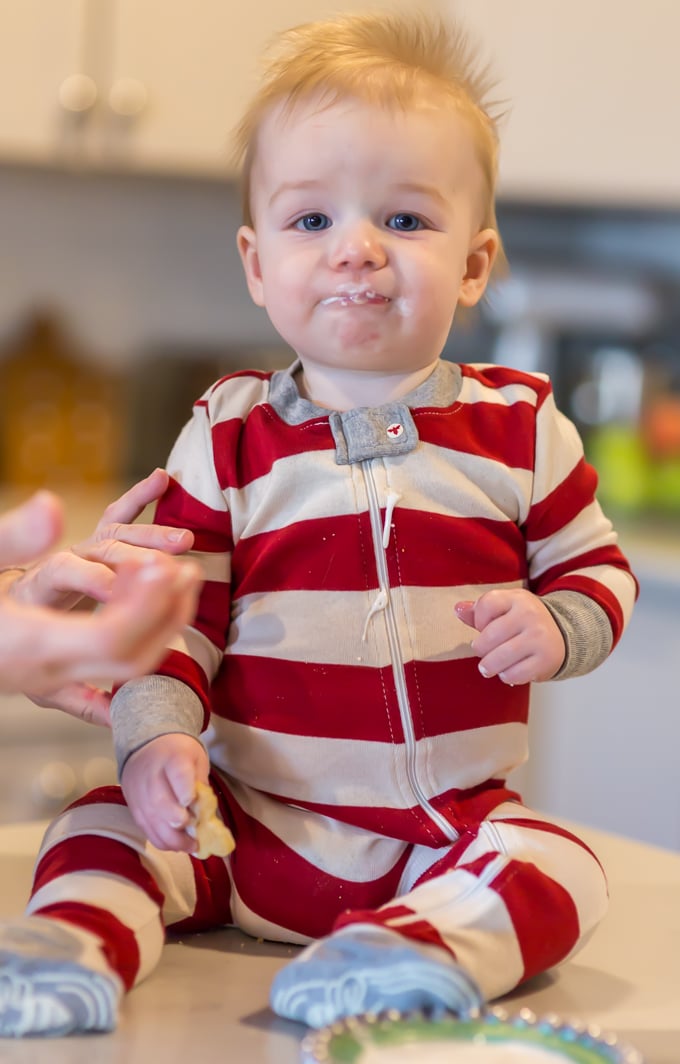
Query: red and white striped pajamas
(359,756)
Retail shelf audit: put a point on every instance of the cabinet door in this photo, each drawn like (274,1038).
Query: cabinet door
(41,46)
(592,91)
(192,68)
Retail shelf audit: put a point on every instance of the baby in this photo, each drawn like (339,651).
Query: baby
(395,547)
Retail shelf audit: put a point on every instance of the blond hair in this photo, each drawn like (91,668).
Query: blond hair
(391,60)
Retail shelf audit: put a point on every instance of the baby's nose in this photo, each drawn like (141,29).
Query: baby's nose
(358,245)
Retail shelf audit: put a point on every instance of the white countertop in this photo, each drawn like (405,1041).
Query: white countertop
(208,998)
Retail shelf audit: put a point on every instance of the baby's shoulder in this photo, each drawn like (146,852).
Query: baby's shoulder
(236,394)
(503,384)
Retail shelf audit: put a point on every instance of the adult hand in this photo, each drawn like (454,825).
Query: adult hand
(518,639)
(159,783)
(88,569)
(148,596)
(51,655)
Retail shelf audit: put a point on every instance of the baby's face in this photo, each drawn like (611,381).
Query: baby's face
(366,232)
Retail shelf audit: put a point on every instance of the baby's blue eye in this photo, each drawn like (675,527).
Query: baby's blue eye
(313,223)
(404,222)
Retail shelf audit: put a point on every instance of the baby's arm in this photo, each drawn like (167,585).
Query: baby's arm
(159,783)
(519,641)
(156,723)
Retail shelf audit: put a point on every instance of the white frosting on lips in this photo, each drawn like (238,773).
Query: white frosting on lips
(460,1053)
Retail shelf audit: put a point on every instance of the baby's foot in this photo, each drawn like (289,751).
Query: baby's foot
(45,986)
(364,968)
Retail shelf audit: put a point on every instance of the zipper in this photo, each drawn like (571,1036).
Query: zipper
(383,602)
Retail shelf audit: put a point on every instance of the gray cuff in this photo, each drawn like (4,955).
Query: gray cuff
(143,709)
(586,631)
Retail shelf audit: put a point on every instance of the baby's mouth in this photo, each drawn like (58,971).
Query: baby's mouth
(358,297)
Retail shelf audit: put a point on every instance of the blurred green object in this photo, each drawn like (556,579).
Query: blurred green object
(664,484)
(630,479)
(620,458)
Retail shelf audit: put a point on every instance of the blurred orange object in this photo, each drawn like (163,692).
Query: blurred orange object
(661,426)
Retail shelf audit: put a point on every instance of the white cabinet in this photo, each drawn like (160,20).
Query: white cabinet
(592,92)
(141,84)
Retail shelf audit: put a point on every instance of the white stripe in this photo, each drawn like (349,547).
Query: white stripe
(474,922)
(437,479)
(455,483)
(473,391)
(231,398)
(341,772)
(568,863)
(327,627)
(559,449)
(300,487)
(200,648)
(172,871)
(588,531)
(340,850)
(189,463)
(130,905)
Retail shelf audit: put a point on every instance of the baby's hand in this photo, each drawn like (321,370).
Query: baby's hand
(518,639)
(159,784)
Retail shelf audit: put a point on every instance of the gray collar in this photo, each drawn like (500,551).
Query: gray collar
(367,432)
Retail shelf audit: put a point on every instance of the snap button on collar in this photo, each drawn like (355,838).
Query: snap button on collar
(395,430)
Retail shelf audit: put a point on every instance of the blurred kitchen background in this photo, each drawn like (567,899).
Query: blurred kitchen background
(121,298)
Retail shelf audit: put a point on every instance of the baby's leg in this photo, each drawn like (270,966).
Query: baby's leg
(95,921)
(508,900)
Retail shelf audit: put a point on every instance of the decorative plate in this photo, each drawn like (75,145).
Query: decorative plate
(490,1037)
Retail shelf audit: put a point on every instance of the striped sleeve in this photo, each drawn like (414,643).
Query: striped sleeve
(195,500)
(571,544)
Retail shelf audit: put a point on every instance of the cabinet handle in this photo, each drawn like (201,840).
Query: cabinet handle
(128,97)
(77,93)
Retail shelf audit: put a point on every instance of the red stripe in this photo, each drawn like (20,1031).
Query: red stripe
(464,809)
(504,434)
(214,612)
(107,795)
(118,944)
(358,702)
(285,888)
(495,377)
(95,853)
(453,696)
(436,550)
(417,929)
(213,898)
(565,502)
(336,553)
(331,553)
(353,702)
(247,449)
(211,528)
(543,913)
(181,667)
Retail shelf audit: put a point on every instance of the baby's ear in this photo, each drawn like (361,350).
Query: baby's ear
(246,240)
(481,257)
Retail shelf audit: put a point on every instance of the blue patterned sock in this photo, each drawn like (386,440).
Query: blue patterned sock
(364,968)
(47,986)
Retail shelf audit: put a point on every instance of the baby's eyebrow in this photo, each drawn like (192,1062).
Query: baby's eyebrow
(293,186)
(423,189)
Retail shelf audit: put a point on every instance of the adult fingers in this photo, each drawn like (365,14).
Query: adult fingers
(87,703)
(117,520)
(29,530)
